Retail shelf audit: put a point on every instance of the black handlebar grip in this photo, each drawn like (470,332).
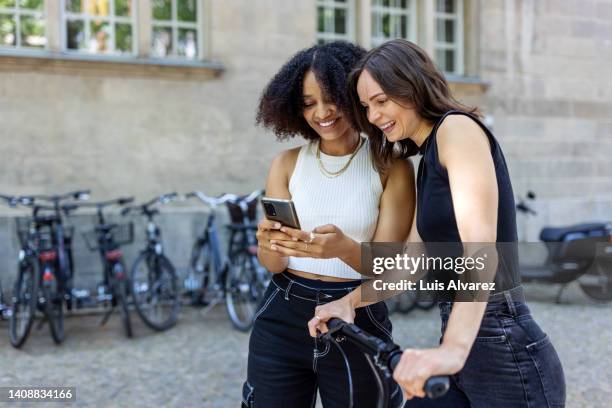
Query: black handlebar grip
(334,323)
(435,386)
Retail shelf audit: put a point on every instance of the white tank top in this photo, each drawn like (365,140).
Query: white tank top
(350,201)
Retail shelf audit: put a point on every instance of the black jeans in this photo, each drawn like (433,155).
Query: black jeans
(512,364)
(286,366)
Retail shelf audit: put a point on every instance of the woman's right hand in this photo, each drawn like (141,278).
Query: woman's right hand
(342,308)
(270,230)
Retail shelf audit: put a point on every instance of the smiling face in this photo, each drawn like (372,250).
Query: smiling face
(321,114)
(396,121)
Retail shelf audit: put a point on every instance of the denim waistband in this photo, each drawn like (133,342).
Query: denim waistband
(510,301)
(312,289)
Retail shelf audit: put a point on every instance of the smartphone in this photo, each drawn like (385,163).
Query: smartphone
(280,210)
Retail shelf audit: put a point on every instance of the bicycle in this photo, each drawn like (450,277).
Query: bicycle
(237,277)
(5,310)
(153,281)
(107,239)
(45,266)
(382,357)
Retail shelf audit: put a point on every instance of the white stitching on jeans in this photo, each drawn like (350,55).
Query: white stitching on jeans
(314,398)
(293,294)
(324,352)
(306,286)
(377,324)
(265,306)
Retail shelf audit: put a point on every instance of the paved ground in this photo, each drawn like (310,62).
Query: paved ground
(202,361)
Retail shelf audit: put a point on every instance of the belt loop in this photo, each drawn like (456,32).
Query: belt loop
(510,302)
(318,296)
(288,289)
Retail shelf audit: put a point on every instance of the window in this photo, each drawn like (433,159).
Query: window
(176,29)
(22,24)
(393,19)
(448,47)
(335,20)
(100,26)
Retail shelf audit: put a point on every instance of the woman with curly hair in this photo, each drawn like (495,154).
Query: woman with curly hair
(496,352)
(341,201)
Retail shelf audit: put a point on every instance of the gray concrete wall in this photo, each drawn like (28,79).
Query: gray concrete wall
(548,64)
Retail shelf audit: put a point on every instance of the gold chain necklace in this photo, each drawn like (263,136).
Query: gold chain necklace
(332,174)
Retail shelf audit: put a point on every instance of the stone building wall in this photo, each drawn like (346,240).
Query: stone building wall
(542,79)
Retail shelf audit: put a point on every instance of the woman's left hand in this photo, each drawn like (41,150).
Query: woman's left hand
(327,241)
(418,365)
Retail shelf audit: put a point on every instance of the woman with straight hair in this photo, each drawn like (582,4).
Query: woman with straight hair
(340,200)
(496,353)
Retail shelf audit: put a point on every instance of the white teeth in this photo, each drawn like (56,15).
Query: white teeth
(326,124)
(387,125)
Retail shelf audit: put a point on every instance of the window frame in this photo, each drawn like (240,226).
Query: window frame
(327,36)
(174,24)
(111,19)
(17,11)
(459,45)
(411,11)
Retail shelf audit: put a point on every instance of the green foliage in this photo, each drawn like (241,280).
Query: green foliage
(123,37)
(31,4)
(162,9)
(187,10)
(122,7)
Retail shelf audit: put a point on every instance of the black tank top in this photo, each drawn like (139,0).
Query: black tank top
(436,216)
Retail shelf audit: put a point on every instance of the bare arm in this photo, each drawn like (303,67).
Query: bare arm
(465,152)
(395,212)
(395,218)
(277,186)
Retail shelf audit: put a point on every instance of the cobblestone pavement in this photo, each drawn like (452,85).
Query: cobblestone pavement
(202,361)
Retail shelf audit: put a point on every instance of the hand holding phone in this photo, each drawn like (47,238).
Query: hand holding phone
(280,210)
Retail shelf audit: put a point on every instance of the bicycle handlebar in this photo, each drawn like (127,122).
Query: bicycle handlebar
(101,204)
(388,353)
(216,201)
(144,208)
(80,195)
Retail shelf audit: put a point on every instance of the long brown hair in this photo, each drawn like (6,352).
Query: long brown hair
(407,76)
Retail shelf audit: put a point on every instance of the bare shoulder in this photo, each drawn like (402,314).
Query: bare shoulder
(277,184)
(460,135)
(399,171)
(285,161)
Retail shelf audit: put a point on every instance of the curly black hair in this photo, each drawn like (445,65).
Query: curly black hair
(281,104)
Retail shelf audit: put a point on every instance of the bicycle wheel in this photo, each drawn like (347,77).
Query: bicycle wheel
(426,300)
(245,284)
(197,280)
(24,300)
(406,302)
(155,293)
(597,282)
(54,308)
(392,303)
(120,296)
